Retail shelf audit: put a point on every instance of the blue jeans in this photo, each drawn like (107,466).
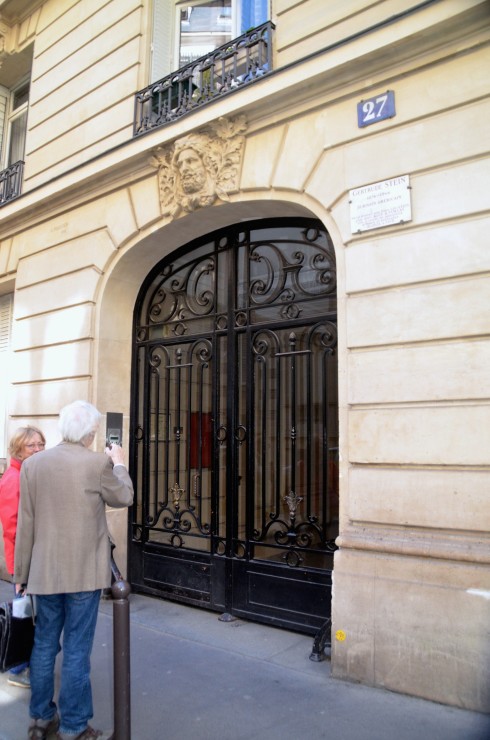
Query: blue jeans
(76,616)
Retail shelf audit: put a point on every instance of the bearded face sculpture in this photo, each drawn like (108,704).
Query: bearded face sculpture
(200,168)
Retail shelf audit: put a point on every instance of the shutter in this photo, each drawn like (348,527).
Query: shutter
(161,47)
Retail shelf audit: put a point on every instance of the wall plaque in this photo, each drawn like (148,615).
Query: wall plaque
(380,204)
(376,109)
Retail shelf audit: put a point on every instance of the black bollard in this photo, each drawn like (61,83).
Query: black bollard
(122,684)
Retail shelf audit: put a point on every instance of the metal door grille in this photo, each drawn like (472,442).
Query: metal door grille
(235,433)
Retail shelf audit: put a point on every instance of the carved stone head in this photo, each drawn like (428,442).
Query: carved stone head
(201,167)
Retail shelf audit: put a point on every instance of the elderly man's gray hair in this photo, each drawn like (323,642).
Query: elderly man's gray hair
(78,421)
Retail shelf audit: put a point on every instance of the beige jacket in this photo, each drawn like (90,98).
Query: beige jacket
(62,543)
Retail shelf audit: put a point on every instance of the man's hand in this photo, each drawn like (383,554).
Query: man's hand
(115,452)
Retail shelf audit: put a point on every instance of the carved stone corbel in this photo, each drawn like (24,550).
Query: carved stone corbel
(200,168)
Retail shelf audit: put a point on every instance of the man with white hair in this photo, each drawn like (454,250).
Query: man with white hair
(62,554)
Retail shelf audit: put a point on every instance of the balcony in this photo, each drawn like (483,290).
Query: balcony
(11,182)
(226,69)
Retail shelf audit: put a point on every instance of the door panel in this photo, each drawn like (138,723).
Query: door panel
(234,425)
(180,575)
(296,599)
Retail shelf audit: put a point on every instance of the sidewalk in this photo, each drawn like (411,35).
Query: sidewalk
(196,678)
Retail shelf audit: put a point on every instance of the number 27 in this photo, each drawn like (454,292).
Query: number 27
(374,108)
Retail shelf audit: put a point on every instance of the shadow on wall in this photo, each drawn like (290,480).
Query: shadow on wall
(3,569)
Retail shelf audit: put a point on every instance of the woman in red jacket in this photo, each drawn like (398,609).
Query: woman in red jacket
(24,443)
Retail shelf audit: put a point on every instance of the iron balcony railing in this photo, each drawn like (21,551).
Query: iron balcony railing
(231,66)
(11,182)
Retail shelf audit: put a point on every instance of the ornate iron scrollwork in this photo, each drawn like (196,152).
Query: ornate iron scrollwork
(236,390)
(183,293)
(281,274)
(236,64)
(290,537)
(293,501)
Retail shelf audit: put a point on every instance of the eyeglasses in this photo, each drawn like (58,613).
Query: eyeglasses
(41,445)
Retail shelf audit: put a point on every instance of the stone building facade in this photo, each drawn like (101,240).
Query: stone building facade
(304,141)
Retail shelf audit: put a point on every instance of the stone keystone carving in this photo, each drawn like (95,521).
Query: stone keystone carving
(201,167)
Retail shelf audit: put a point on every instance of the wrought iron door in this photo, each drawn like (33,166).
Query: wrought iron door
(235,425)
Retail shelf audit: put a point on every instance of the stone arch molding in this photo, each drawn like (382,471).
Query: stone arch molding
(122,281)
(200,168)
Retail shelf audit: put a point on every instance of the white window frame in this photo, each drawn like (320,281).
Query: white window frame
(12,115)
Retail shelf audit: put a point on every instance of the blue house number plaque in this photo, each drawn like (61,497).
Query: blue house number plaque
(376,109)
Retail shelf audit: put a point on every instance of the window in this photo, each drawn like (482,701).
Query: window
(253,13)
(203,26)
(13,123)
(206,24)
(6,305)
(200,27)
(17,124)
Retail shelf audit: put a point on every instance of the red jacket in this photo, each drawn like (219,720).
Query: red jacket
(9,506)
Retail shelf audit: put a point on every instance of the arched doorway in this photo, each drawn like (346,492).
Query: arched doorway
(234,442)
